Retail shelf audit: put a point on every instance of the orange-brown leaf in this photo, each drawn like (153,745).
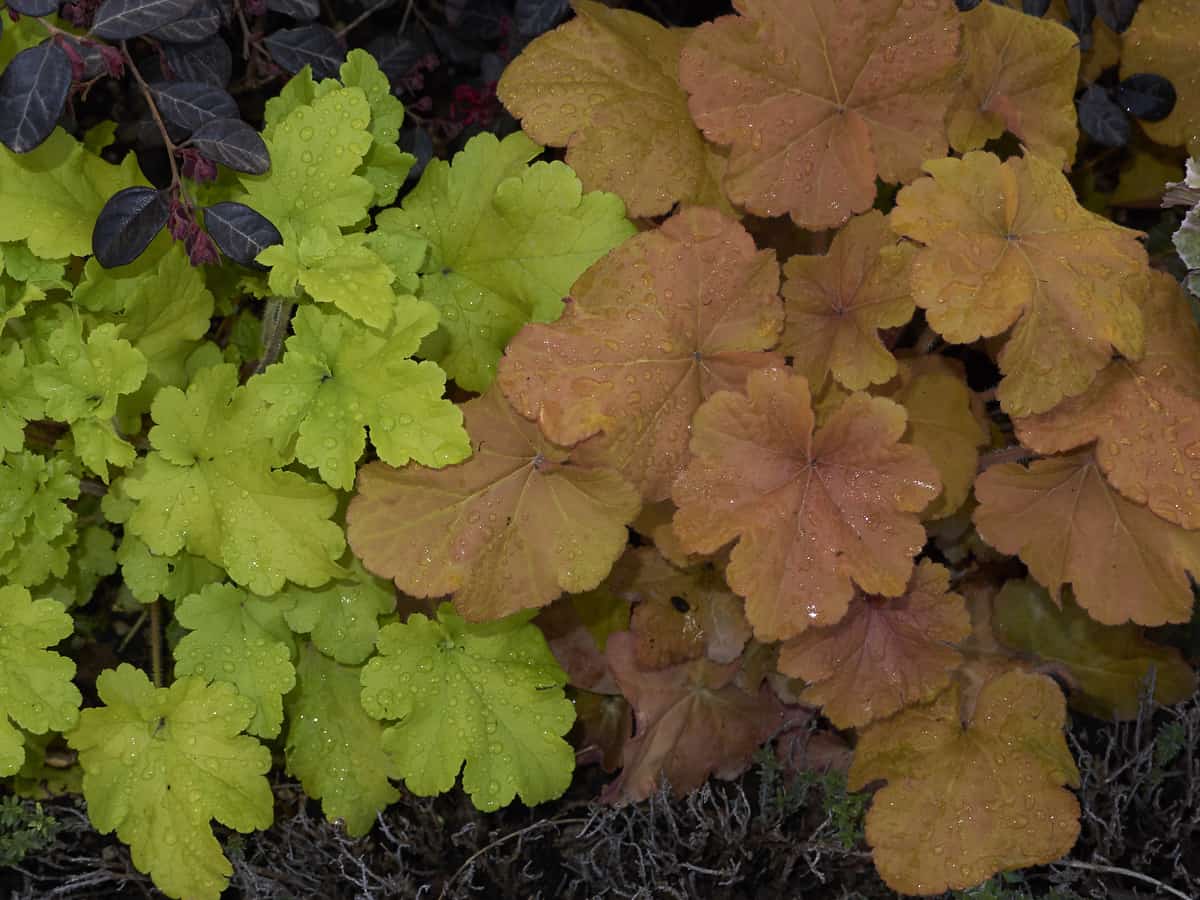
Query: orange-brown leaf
(886,653)
(1162,40)
(692,721)
(1060,515)
(680,614)
(1007,245)
(511,528)
(835,304)
(668,318)
(606,86)
(819,98)
(1020,76)
(1144,414)
(814,512)
(962,804)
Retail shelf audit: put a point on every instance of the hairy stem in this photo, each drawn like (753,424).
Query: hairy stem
(276,318)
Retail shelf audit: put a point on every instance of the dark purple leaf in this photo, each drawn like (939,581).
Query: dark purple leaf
(189,104)
(1081,14)
(1147,97)
(240,232)
(966,5)
(534,17)
(1116,14)
(453,48)
(398,55)
(303,10)
(127,224)
(233,143)
(415,140)
(33,91)
(202,22)
(209,61)
(1035,7)
(33,7)
(118,20)
(1101,119)
(477,20)
(308,45)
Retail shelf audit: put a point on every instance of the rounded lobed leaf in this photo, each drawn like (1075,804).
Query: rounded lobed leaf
(490,696)
(837,303)
(511,528)
(965,801)
(1064,521)
(1007,245)
(664,321)
(814,513)
(885,654)
(1161,42)
(817,100)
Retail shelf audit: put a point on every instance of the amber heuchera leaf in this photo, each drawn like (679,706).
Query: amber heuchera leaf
(886,653)
(1065,522)
(606,86)
(1107,663)
(1007,243)
(511,528)
(942,420)
(1020,76)
(1105,51)
(667,319)
(835,304)
(963,803)
(577,627)
(813,511)
(692,721)
(1145,415)
(681,614)
(604,724)
(1162,41)
(818,98)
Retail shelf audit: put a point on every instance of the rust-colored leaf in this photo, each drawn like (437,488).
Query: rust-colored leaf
(605,725)
(1106,663)
(692,721)
(680,614)
(963,803)
(886,653)
(667,319)
(1007,245)
(1064,521)
(836,304)
(818,98)
(1144,415)
(813,512)
(606,86)
(1020,76)
(511,528)
(577,627)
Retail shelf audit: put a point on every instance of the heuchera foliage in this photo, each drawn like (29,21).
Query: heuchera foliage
(823,385)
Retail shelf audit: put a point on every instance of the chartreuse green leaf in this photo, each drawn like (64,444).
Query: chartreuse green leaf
(36,691)
(19,402)
(81,382)
(160,763)
(315,150)
(343,616)
(52,194)
(334,747)
(506,242)
(149,576)
(212,486)
(489,695)
(36,526)
(333,268)
(242,639)
(339,377)
(92,558)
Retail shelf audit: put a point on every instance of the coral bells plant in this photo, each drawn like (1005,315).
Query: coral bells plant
(833,390)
